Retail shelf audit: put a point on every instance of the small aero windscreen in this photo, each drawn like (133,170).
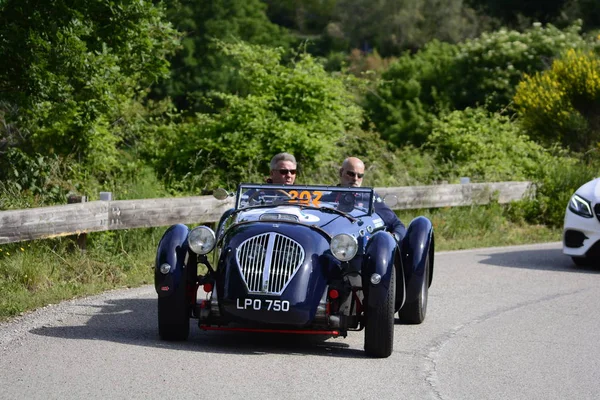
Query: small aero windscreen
(345,199)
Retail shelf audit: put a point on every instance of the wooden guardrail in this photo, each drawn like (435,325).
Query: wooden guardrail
(95,216)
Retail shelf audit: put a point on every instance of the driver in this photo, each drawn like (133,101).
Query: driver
(352,173)
(283,169)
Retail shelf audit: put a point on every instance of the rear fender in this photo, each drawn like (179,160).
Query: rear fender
(417,243)
(379,258)
(172,250)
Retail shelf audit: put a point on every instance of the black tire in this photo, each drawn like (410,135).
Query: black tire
(379,326)
(173,314)
(414,312)
(581,261)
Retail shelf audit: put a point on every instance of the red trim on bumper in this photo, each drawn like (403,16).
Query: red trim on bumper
(297,331)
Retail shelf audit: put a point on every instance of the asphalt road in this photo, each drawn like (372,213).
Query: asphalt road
(503,323)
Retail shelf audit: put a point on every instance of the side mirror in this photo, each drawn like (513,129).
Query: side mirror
(220,194)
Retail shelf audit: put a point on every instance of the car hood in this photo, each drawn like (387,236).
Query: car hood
(590,191)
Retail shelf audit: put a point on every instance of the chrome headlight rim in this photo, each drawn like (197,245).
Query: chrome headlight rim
(580,206)
(343,246)
(201,240)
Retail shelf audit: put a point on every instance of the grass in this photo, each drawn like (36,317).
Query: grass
(459,228)
(38,273)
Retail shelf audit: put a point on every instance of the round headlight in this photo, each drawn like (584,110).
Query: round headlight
(344,246)
(165,268)
(201,240)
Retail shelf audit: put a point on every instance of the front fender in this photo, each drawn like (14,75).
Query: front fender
(379,258)
(416,245)
(172,250)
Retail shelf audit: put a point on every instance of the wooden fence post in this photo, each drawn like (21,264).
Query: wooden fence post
(80,238)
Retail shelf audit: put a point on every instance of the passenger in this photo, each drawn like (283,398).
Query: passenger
(352,173)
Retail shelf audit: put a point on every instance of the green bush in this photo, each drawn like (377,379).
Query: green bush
(409,94)
(198,67)
(484,146)
(562,104)
(556,181)
(68,67)
(479,72)
(299,108)
(386,165)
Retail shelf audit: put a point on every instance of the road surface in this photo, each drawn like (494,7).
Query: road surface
(502,323)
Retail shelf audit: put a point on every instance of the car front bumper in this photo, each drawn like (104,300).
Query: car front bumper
(581,236)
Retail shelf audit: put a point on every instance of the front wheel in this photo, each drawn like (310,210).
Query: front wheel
(415,311)
(581,261)
(379,327)
(173,314)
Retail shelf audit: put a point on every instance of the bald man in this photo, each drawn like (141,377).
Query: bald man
(352,173)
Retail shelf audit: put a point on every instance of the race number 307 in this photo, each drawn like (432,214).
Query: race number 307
(263,304)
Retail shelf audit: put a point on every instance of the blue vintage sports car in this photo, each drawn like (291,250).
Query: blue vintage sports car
(295,259)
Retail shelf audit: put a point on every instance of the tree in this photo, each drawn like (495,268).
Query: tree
(304,17)
(586,10)
(392,26)
(68,68)
(514,12)
(477,72)
(199,68)
(299,108)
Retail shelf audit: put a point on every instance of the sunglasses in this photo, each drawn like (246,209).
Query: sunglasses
(354,175)
(285,171)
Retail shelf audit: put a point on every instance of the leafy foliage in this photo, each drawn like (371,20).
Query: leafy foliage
(199,67)
(303,17)
(587,11)
(562,104)
(556,181)
(478,72)
(40,177)
(404,102)
(512,12)
(391,26)
(68,68)
(484,146)
(298,108)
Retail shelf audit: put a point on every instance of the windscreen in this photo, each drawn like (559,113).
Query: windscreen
(345,199)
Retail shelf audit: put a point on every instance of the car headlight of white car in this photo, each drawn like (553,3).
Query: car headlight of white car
(580,206)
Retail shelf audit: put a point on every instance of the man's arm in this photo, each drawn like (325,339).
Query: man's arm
(390,219)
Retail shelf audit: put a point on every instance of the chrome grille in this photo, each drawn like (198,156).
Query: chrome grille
(268,262)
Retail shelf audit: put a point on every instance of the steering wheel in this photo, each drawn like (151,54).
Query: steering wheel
(255,195)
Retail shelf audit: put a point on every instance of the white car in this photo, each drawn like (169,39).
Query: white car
(581,233)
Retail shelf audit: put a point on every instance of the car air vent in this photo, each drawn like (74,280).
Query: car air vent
(574,239)
(268,262)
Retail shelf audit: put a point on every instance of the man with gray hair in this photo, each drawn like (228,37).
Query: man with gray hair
(283,169)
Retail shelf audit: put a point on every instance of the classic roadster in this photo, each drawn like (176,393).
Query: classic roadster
(295,259)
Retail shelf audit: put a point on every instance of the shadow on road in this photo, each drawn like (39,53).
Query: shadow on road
(134,322)
(541,259)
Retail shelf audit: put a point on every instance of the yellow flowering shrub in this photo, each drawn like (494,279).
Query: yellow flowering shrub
(562,104)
